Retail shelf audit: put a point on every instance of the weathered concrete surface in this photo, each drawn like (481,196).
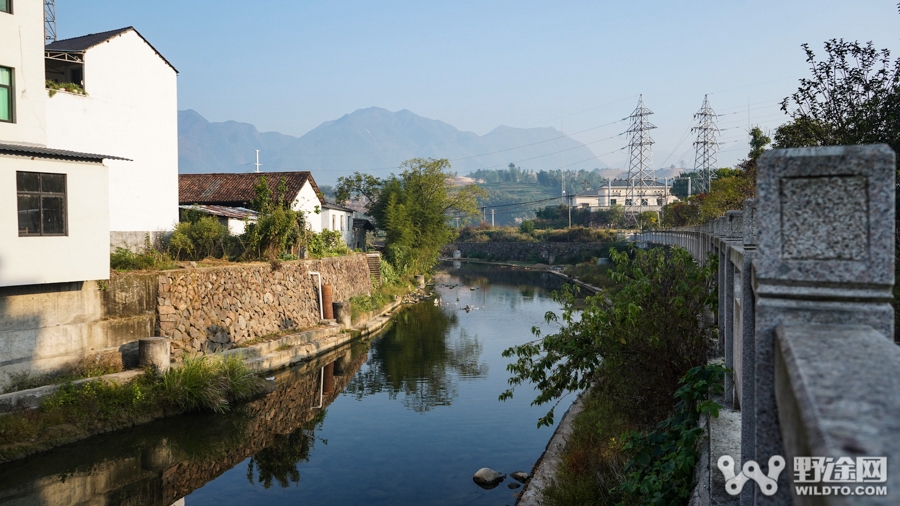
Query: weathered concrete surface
(545,468)
(47,328)
(839,396)
(31,398)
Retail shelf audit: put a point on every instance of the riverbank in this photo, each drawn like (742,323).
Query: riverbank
(259,358)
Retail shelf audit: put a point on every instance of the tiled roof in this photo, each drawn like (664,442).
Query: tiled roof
(227,212)
(236,189)
(85,42)
(363,223)
(60,154)
(337,207)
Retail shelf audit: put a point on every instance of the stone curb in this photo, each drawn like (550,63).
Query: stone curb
(545,468)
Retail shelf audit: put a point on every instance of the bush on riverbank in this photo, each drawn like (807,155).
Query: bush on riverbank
(198,384)
(485,233)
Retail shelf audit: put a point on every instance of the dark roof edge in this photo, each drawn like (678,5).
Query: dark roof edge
(116,33)
(60,154)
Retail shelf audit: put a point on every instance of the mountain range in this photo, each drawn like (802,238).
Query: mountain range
(372,140)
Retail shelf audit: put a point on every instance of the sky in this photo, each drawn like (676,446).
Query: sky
(579,66)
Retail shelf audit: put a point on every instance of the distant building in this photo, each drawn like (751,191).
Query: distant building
(238,190)
(621,192)
(130,110)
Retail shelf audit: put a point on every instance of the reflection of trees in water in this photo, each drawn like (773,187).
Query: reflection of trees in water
(417,358)
(279,460)
(483,275)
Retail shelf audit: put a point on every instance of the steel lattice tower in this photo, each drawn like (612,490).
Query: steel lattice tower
(641,175)
(706,147)
(49,21)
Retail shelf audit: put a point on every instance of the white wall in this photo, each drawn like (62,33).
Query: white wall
(332,219)
(307,201)
(81,255)
(22,49)
(131,111)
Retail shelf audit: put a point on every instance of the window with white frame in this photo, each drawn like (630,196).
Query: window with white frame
(41,200)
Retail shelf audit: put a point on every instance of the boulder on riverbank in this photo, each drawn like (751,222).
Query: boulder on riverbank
(487,478)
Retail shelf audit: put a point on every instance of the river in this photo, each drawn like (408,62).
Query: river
(405,418)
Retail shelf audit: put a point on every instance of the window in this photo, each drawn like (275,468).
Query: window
(333,227)
(627,202)
(643,202)
(42,203)
(6,6)
(659,202)
(612,202)
(349,223)
(6,93)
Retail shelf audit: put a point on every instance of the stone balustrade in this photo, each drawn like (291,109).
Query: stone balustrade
(805,321)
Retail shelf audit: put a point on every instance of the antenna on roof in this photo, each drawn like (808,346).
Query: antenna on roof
(257,161)
(49,21)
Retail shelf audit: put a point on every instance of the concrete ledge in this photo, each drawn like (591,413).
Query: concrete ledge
(838,395)
(31,398)
(545,468)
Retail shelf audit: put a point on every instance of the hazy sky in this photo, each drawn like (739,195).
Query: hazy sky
(288,66)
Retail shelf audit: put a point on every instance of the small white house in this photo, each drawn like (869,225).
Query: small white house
(238,190)
(622,192)
(339,219)
(130,110)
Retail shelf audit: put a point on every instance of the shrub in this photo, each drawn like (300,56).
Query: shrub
(527,226)
(640,339)
(208,383)
(198,238)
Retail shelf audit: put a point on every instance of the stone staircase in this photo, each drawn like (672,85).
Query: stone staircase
(374,262)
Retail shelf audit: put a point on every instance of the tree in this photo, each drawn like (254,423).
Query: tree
(852,97)
(413,209)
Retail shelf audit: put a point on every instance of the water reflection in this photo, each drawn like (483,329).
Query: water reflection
(160,463)
(417,358)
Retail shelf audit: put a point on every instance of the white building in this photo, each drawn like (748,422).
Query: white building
(238,190)
(54,203)
(339,219)
(621,192)
(130,110)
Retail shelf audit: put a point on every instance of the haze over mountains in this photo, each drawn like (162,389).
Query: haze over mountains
(372,140)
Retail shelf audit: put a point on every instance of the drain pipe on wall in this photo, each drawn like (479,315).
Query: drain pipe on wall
(321,309)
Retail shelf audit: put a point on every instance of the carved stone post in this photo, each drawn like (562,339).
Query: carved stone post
(748,346)
(733,232)
(825,256)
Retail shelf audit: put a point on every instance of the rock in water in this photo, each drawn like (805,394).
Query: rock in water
(487,478)
(513,485)
(519,476)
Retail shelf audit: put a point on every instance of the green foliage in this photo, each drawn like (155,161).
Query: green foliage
(53,87)
(150,260)
(851,97)
(277,227)
(527,226)
(591,273)
(640,339)
(648,220)
(200,237)
(661,463)
(413,209)
(327,243)
(208,383)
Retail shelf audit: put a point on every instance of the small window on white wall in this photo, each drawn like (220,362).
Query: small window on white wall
(332,222)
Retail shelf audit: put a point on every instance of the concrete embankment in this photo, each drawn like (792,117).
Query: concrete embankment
(259,358)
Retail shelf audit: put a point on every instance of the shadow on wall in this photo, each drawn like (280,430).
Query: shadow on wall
(23,315)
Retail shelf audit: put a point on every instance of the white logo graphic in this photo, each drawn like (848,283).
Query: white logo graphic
(751,471)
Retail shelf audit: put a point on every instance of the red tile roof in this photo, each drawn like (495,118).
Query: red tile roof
(236,190)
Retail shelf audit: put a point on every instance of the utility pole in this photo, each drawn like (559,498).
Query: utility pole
(483,217)
(492,218)
(570,210)
(706,147)
(257,161)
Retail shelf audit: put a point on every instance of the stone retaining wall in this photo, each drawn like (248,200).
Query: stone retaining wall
(207,310)
(549,252)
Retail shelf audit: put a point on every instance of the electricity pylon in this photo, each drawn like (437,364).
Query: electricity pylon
(706,147)
(641,175)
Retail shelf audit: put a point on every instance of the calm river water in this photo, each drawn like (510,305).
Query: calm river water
(405,418)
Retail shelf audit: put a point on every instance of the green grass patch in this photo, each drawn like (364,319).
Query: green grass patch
(150,260)
(208,383)
(89,367)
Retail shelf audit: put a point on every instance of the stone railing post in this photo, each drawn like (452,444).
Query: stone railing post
(719,243)
(733,223)
(748,344)
(825,256)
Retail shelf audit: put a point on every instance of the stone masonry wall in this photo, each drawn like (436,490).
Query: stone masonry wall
(207,310)
(550,252)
